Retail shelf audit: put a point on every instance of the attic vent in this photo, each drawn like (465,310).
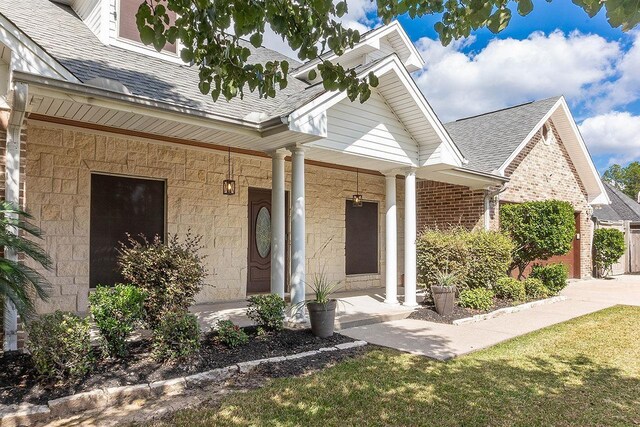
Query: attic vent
(547,134)
(108,84)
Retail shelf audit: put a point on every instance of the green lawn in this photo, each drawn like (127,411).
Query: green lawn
(582,372)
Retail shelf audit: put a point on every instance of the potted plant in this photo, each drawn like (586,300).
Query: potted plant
(322,308)
(444,293)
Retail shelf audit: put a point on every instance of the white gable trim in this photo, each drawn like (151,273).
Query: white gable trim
(588,174)
(27,56)
(311,118)
(371,38)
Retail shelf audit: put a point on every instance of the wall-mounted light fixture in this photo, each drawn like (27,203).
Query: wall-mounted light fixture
(357,198)
(229,185)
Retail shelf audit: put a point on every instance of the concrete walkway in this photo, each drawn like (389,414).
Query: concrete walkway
(442,341)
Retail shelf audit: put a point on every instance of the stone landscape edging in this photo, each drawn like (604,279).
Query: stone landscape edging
(27,414)
(507,310)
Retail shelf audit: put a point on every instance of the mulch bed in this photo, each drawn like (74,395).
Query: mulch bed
(19,381)
(427,311)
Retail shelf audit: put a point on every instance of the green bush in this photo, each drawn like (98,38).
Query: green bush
(477,258)
(553,276)
(176,336)
(231,334)
(478,299)
(539,230)
(170,274)
(510,289)
(535,288)
(116,311)
(60,345)
(267,311)
(608,247)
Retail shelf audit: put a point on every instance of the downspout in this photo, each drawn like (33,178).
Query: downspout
(12,195)
(488,196)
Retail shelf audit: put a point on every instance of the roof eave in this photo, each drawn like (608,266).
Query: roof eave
(94,94)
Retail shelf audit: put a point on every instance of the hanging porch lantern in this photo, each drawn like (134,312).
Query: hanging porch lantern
(229,185)
(357,198)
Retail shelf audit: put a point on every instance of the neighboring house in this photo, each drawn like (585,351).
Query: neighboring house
(538,147)
(622,214)
(105,136)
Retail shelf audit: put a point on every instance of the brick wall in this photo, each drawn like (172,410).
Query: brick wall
(539,172)
(60,159)
(543,172)
(443,205)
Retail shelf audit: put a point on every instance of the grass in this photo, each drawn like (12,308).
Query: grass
(582,372)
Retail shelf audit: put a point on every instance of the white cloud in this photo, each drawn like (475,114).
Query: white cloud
(615,135)
(510,71)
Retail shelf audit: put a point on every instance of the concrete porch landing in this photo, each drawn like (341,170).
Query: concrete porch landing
(357,308)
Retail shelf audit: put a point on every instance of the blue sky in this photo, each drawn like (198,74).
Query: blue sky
(611,127)
(555,50)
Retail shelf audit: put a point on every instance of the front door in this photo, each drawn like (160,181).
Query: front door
(259,253)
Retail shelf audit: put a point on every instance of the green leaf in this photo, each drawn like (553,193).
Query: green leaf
(147,35)
(186,55)
(256,40)
(312,75)
(525,7)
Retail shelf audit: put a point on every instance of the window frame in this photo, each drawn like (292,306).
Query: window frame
(137,44)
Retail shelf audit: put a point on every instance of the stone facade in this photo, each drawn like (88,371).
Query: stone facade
(59,162)
(540,172)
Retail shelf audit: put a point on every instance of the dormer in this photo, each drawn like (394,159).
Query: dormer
(375,44)
(114,23)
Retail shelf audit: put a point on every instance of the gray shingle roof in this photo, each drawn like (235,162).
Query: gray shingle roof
(487,140)
(622,207)
(60,32)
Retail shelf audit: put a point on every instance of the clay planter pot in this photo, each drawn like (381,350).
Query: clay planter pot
(322,318)
(444,297)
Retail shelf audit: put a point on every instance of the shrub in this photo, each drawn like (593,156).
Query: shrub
(170,274)
(477,258)
(267,311)
(553,276)
(60,345)
(231,334)
(478,299)
(116,310)
(510,289)
(489,258)
(535,288)
(176,336)
(539,230)
(608,247)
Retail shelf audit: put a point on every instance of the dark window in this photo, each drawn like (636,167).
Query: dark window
(127,27)
(362,238)
(119,206)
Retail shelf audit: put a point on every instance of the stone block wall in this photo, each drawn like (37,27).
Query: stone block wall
(59,162)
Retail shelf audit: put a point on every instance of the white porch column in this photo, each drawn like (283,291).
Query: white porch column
(12,194)
(410,234)
(391,241)
(298,231)
(277,223)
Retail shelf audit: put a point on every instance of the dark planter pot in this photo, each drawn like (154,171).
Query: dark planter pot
(322,318)
(444,298)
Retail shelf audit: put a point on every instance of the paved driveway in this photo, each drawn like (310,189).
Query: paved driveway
(441,341)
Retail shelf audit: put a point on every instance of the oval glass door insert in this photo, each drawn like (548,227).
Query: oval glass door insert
(263,232)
